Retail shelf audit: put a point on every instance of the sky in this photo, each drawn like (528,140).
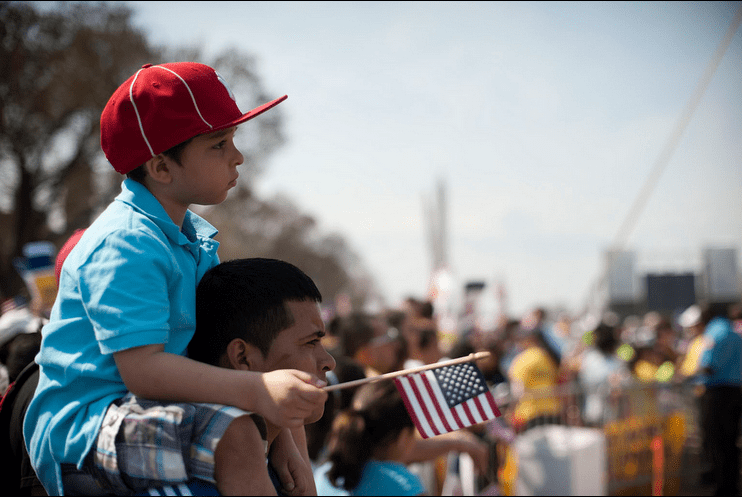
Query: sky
(542,119)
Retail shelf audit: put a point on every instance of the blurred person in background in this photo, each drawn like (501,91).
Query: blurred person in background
(735,314)
(507,346)
(416,315)
(646,359)
(533,376)
(689,361)
(20,338)
(424,342)
(689,372)
(21,320)
(666,346)
(599,371)
(318,433)
(398,320)
(553,343)
(721,403)
(369,443)
(368,341)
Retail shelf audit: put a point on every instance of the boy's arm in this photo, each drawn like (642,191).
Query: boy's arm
(283,397)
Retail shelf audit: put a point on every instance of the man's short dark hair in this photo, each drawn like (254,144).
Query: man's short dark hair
(246,298)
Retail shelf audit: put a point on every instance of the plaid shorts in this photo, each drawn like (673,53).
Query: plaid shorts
(144,444)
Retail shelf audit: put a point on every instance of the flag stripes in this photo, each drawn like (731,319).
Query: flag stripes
(432,414)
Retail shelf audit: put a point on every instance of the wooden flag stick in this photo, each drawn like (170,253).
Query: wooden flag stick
(471,357)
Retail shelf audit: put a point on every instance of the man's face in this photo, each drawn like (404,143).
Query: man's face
(300,347)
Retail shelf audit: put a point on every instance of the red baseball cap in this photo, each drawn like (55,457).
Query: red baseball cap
(163,105)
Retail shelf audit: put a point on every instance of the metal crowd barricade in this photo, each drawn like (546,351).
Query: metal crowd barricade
(646,432)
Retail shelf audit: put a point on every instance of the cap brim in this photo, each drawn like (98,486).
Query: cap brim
(259,110)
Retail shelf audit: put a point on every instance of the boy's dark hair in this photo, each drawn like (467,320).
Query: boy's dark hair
(246,298)
(175,153)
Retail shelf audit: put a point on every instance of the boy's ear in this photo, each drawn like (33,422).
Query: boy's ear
(243,356)
(158,168)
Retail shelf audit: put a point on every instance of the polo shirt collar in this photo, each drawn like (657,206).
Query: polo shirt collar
(139,198)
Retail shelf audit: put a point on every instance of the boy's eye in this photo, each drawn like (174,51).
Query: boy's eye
(221,144)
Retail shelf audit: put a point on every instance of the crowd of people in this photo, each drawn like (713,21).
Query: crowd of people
(535,361)
(365,434)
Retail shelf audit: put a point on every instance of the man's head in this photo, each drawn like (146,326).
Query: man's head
(260,315)
(162,106)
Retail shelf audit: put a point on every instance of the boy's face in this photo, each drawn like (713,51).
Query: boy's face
(209,169)
(300,346)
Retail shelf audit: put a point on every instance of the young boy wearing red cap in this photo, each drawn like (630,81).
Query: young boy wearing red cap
(125,311)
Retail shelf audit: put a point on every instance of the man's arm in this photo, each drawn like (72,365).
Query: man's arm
(290,461)
(283,397)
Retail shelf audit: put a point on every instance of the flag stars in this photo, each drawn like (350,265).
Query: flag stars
(460,383)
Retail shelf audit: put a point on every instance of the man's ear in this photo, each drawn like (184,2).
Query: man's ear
(243,356)
(158,168)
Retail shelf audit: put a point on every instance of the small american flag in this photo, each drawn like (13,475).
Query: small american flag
(447,398)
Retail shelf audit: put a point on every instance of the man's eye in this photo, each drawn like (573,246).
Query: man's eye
(221,144)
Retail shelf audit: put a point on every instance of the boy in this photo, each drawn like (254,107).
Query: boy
(125,310)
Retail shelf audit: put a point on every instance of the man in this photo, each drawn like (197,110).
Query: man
(721,403)
(262,315)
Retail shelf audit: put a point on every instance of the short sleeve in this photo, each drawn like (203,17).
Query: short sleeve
(124,285)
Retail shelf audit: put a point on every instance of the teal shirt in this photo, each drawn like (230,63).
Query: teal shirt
(724,354)
(387,478)
(130,281)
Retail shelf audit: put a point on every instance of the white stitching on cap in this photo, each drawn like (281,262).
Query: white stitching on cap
(191,93)
(136,111)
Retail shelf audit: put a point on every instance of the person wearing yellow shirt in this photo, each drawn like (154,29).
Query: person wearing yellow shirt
(533,379)
(690,320)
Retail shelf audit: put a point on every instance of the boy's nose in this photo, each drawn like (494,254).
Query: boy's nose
(239,158)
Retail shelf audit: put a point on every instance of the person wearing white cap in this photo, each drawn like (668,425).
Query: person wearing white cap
(690,320)
(126,309)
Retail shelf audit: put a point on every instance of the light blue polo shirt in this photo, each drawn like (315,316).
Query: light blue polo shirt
(130,281)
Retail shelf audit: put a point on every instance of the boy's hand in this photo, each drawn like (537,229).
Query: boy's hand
(290,397)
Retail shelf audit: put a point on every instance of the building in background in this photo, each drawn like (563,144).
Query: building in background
(637,283)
